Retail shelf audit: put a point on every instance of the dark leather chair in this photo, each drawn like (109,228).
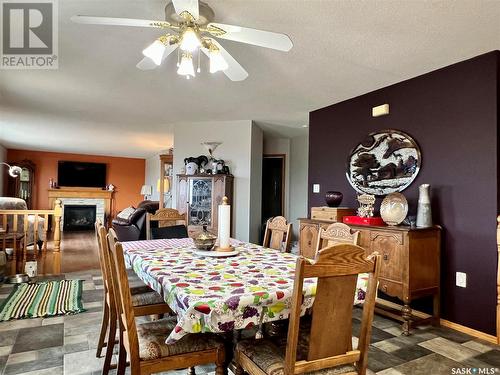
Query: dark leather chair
(134,228)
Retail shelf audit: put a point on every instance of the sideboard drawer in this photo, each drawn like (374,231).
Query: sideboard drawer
(391,288)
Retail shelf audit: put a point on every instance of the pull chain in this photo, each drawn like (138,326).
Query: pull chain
(199,53)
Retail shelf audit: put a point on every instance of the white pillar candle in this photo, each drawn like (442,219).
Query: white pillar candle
(224,224)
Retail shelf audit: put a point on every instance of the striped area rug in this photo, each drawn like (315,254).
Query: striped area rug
(49,298)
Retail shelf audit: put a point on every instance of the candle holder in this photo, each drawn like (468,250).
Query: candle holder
(224,249)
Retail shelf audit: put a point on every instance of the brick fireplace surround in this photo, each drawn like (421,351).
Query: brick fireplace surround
(102,199)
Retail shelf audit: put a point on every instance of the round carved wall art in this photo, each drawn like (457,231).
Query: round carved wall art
(385,162)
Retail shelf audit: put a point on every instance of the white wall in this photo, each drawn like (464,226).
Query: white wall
(153,174)
(299,151)
(3,170)
(236,149)
(256,183)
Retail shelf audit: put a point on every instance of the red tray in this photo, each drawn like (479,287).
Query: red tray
(356,220)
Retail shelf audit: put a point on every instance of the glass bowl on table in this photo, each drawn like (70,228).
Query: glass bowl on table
(205,240)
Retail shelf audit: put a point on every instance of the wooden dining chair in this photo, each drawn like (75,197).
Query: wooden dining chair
(328,342)
(278,234)
(145,300)
(144,343)
(336,233)
(171,224)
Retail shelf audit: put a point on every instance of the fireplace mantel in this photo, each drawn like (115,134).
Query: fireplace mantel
(82,193)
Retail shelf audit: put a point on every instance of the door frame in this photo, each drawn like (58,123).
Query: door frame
(283,176)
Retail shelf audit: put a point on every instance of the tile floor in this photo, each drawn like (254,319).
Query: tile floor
(66,345)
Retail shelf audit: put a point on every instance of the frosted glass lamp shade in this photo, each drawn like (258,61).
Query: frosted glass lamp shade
(155,52)
(186,67)
(217,62)
(190,41)
(146,190)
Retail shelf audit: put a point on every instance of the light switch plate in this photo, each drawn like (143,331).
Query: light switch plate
(316,188)
(461,279)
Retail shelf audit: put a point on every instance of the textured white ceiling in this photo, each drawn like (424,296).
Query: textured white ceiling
(98,102)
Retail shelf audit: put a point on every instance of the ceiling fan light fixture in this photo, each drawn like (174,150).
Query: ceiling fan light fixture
(186,67)
(217,61)
(156,50)
(190,40)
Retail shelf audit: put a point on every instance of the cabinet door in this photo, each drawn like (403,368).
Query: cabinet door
(308,235)
(390,247)
(200,201)
(182,195)
(219,191)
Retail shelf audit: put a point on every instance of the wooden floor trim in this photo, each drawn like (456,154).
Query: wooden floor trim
(446,323)
(469,331)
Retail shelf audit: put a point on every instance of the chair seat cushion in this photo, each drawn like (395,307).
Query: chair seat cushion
(142,296)
(152,336)
(12,236)
(269,355)
(141,293)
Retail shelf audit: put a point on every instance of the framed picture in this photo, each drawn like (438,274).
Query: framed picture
(385,162)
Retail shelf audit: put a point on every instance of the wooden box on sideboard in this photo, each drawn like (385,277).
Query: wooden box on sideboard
(331,214)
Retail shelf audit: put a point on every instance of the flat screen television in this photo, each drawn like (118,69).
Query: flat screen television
(75,173)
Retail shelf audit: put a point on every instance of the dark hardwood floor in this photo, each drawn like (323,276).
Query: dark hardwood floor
(78,253)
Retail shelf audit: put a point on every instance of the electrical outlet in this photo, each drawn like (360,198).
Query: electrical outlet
(315,188)
(461,279)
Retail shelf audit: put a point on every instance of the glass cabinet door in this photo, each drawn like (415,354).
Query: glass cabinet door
(200,201)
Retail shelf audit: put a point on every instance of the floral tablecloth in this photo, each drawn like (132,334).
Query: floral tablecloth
(221,294)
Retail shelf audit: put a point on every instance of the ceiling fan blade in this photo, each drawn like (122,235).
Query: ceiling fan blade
(235,72)
(190,6)
(110,21)
(147,64)
(261,38)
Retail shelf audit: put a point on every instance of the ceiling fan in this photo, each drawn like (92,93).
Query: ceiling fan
(190,28)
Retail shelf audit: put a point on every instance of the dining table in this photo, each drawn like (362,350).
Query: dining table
(221,293)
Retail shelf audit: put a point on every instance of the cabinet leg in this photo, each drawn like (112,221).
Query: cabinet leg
(406,314)
(436,311)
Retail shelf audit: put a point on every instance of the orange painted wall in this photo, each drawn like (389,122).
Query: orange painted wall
(127,174)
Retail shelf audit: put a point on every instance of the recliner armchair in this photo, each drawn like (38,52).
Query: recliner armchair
(134,228)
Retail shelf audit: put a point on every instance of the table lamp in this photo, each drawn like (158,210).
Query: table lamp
(146,190)
(14,170)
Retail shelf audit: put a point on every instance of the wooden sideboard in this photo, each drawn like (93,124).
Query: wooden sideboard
(410,262)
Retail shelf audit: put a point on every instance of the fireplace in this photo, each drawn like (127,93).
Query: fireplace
(79,217)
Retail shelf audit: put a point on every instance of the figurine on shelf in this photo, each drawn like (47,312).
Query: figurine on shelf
(366,202)
(193,165)
(217,166)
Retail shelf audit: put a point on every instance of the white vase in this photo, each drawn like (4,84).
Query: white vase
(424,213)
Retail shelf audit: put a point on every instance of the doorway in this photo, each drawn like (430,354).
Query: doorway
(273,187)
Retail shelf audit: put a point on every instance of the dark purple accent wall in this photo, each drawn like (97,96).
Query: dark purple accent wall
(452,113)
